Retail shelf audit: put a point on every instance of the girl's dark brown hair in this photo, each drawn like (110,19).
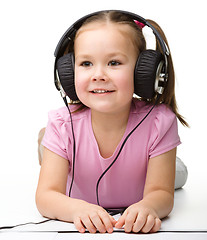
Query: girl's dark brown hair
(138,40)
(168,96)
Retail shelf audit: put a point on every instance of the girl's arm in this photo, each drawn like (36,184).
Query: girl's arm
(52,202)
(158,196)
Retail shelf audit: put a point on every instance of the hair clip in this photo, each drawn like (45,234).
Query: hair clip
(141,25)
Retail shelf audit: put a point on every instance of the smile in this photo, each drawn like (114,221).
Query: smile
(101,91)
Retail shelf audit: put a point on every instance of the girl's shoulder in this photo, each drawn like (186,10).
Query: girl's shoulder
(161,118)
(160,127)
(62,114)
(160,110)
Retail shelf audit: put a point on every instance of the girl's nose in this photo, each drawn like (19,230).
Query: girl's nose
(99,74)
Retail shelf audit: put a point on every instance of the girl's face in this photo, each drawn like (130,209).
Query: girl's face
(104,67)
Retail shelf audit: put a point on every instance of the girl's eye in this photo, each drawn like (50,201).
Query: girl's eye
(86,64)
(114,63)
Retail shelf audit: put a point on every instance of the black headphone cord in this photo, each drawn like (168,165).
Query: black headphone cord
(74,145)
(125,140)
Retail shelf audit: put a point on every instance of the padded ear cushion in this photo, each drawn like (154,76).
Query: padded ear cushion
(65,68)
(145,73)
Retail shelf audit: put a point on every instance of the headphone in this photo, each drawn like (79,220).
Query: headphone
(150,73)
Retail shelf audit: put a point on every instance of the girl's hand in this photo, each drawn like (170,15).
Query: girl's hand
(139,217)
(93,217)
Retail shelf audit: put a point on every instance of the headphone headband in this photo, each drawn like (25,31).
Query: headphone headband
(71,31)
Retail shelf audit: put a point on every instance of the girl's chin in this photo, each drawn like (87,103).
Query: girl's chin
(107,105)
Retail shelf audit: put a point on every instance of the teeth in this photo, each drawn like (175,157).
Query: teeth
(100,91)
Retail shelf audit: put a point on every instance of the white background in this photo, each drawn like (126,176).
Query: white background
(29,33)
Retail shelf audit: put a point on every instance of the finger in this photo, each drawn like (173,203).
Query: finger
(156,226)
(107,221)
(88,224)
(97,222)
(129,221)
(113,221)
(150,221)
(121,221)
(139,223)
(79,226)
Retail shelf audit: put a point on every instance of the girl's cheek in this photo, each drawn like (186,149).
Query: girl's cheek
(80,86)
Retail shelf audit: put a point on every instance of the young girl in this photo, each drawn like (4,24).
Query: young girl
(141,180)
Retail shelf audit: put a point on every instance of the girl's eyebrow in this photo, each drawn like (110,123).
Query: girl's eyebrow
(114,54)
(85,56)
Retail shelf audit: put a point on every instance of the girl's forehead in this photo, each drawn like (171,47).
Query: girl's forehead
(105,26)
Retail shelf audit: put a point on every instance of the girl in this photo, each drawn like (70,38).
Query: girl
(141,180)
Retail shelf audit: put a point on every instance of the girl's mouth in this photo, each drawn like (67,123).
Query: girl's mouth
(101,91)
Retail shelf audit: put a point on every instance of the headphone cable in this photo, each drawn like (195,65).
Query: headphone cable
(125,140)
(74,145)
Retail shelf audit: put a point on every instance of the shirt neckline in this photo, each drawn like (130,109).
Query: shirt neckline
(120,143)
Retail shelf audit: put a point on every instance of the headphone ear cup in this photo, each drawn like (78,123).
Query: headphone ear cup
(65,68)
(146,72)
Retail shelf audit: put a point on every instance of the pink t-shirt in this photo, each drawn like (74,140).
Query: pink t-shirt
(124,183)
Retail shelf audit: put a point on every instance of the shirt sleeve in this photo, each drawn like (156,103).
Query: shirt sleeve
(165,133)
(54,138)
